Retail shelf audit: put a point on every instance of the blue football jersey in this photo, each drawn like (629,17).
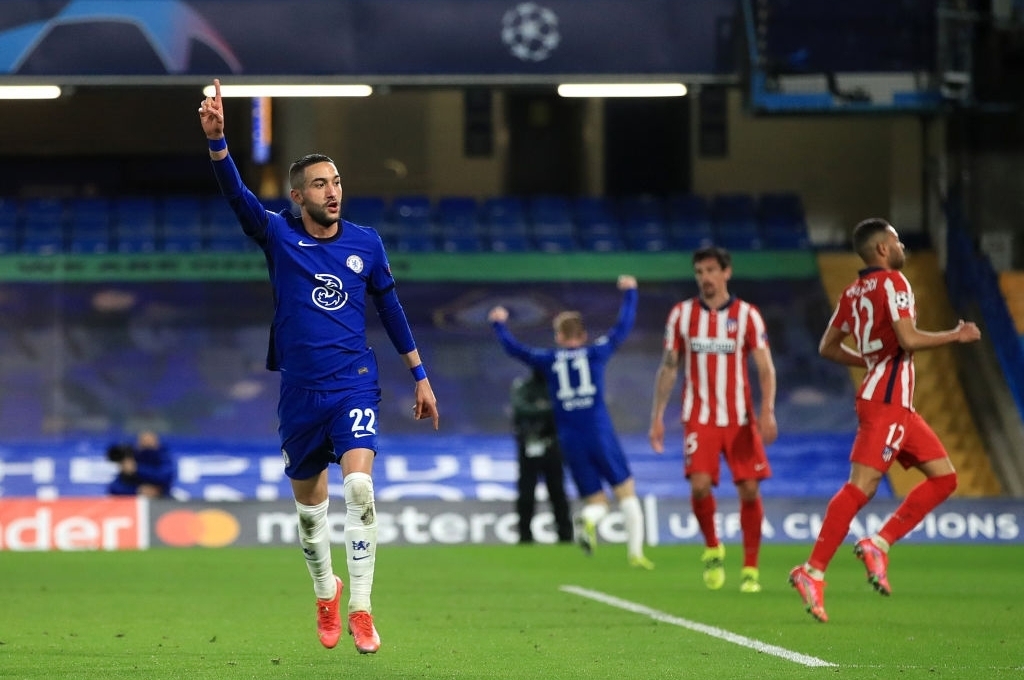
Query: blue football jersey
(575,379)
(320,286)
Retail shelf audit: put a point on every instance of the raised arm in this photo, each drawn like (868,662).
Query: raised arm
(211,117)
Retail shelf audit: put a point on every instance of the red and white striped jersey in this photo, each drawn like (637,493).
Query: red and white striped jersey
(713,347)
(867,309)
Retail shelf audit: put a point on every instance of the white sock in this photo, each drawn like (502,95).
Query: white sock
(594,512)
(360,539)
(316,546)
(633,518)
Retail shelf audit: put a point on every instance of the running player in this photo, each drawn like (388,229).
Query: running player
(878,311)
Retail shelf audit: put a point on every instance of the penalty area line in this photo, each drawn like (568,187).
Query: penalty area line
(721,634)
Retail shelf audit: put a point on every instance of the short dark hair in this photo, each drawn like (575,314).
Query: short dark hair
(297,172)
(717,252)
(865,233)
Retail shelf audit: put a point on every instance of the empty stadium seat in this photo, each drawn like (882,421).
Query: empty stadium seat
(458,214)
(782,220)
(42,226)
(503,220)
(734,221)
(135,224)
(89,221)
(183,224)
(366,211)
(644,223)
(461,243)
(596,224)
(689,221)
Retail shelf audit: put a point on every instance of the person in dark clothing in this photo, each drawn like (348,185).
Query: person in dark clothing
(145,469)
(537,443)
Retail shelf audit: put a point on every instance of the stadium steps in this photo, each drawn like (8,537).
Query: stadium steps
(939,399)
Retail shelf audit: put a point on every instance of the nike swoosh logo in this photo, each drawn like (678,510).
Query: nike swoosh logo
(357,557)
(358,435)
(308,245)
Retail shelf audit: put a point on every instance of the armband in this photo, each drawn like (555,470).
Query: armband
(218,144)
(418,372)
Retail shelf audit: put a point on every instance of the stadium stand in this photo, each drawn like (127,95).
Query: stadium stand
(504,222)
(551,224)
(597,225)
(413,222)
(136,224)
(689,221)
(734,220)
(42,226)
(418,223)
(89,225)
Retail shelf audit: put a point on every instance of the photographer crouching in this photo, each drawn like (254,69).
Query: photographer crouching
(145,469)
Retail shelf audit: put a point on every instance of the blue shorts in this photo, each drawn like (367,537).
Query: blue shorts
(593,460)
(317,427)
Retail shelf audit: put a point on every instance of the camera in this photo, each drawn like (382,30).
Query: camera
(118,452)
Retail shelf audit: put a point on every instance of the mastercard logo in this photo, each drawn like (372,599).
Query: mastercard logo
(206,528)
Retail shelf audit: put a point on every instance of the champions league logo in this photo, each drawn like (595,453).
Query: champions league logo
(530,31)
(169,27)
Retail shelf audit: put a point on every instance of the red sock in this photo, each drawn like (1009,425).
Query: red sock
(921,500)
(704,511)
(843,507)
(751,515)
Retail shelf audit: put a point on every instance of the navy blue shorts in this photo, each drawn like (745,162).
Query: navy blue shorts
(594,461)
(317,427)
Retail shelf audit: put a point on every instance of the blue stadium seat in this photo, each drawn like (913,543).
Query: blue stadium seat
(689,221)
(596,224)
(183,223)
(734,221)
(43,238)
(506,213)
(229,243)
(458,214)
(366,211)
(412,211)
(461,243)
(549,208)
(89,220)
(510,242)
(135,224)
(42,226)
(413,242)
(503,219)
(551,224)
(644,223)
(782,220)
(10,214)
(221,222)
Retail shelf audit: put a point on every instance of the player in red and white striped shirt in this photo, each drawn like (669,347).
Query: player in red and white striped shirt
(878,311)
(711,337)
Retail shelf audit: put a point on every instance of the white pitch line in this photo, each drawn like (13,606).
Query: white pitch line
(719,633)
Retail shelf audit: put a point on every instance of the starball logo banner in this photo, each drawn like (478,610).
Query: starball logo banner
(108,38)
(128,524)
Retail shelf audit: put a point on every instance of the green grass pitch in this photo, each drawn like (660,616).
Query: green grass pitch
(536,611)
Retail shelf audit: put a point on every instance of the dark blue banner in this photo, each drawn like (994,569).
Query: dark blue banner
(365,38)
